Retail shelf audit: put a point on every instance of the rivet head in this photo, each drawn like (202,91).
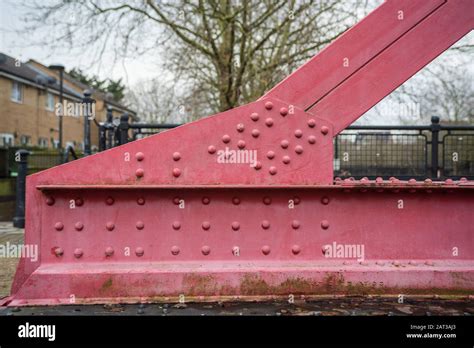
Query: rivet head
(176,200)
(176,172)
(266,250)
(206,200)
(296,200)
(272,170)
(312,139)
(109,201)
(110,226)
(211,149)
(268,105)
(175,250)
(325,224)
(254,117)
(50,201)
(139,156)
(206,225)
(269,122)
(324,130)
(295,249)
(298,133)
(311,123)
(270,154)
(286,159)
(283,111)
(235,226)
(140,201)
(79,226)
(295,224)
(176,225)
(226,138)
(284,144)
(258,165)
(139,225)
(78,253)
(139,172)
(139,251)
(79,202)
(240,127)
(267,200)
(299,149)
(325,200)
(176,156)
(255,133)
(241,144)
(58,251)
(205,250)
(109,251)
(265,224)
(236,200)
(58,226)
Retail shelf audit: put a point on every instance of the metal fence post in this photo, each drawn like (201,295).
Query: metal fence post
(435,128)
(21,157)
(102,137)
(123,129)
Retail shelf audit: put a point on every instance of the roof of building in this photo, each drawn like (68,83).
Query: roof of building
(30,72)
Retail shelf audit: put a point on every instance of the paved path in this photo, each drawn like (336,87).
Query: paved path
(360,306)
(12,235)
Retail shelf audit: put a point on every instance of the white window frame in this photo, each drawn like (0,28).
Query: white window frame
(43,142)
(50,101)
(27,137)
(7,139)
(17,92)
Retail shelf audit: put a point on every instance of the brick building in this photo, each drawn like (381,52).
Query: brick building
(29,92)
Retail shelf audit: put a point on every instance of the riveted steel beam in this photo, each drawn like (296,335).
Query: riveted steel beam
(243,203)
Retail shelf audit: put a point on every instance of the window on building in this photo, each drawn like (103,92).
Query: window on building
(55,143)
(50,101)
(6,139)
(25,140)
(17,92)
(43,142)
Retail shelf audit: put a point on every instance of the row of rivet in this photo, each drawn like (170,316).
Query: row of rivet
(176,200)
(205,250)
(394,181)
(206,225)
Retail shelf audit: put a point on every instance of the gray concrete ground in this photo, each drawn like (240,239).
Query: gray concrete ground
(13,235)
(362,305)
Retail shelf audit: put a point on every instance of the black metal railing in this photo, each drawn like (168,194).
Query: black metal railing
(433,151)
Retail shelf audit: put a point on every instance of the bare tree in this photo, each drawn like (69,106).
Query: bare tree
(221,52)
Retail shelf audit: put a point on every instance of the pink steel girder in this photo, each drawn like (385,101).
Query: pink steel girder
(164,216)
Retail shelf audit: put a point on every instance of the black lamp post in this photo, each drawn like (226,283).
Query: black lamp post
(88,114)
(60,68)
